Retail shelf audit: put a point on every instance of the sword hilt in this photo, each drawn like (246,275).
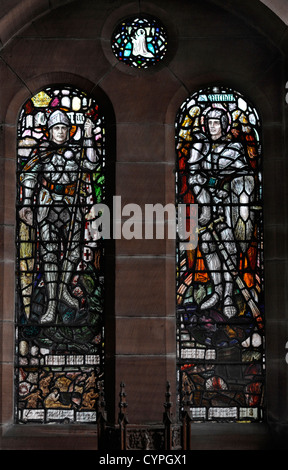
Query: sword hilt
(210,226)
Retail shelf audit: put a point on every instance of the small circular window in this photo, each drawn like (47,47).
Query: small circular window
(140,41)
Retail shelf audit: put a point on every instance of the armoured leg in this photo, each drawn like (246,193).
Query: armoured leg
(227,237)
(213,264)
(50,264)
(51,282)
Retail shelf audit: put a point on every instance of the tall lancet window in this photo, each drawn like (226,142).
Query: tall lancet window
(220,324)
(59,253)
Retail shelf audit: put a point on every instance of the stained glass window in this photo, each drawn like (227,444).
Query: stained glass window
(59,253)
(220,286)
(140,41)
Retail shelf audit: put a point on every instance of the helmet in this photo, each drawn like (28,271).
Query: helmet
(58,117)
(217,113)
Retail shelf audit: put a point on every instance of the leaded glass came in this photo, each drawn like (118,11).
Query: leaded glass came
(220,284)
(59,258)
(140,42)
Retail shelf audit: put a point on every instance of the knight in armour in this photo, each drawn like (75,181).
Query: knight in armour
(51,179)
(223,185)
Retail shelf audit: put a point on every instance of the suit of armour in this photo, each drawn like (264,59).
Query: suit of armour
(53,175)
(217,166)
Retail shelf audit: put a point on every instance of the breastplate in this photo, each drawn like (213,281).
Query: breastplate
(61,169)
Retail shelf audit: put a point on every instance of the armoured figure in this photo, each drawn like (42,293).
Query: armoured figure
(222,182)
(53,177)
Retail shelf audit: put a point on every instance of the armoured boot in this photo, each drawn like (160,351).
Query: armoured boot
(51,286)
(67,297)
(229,308)
(65,294)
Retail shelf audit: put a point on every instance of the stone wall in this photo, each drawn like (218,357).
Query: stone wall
(69,42)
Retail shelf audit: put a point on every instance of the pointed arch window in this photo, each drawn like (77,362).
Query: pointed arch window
(220,283)
(59,257)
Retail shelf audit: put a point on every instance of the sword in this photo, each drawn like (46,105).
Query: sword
(72,220)
(230,265)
